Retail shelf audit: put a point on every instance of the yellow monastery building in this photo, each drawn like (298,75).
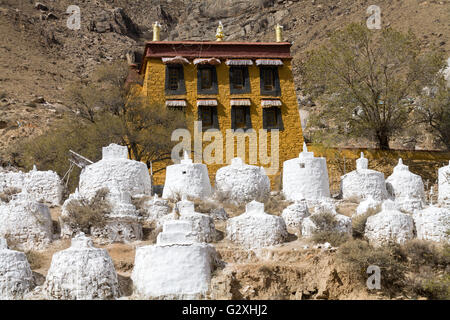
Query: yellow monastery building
(227,86)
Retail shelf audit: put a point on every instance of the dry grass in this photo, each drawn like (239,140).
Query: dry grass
(35,259)
(275,204)
(359,225)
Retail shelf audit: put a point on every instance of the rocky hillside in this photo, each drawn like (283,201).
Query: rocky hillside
(40,56)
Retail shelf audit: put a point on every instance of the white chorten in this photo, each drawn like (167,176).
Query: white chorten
(26,223)
(255,228)
(202,224)
(115,172)
(363,182)
(433,224)
(390,225)
(81,272)
(405,188)
(242,183)
(306,177)
(294,214)
(16,277)
(187,179)
(176,267)
(43,186)
(343,224)
(444,185)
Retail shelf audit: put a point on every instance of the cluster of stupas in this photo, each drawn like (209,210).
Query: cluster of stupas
(181,262)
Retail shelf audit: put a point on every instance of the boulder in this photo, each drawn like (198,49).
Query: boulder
(294,214)
(433,223)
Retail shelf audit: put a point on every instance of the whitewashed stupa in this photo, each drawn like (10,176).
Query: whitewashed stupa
(342,223)
(405,188)
(242,183)
(363,182)
(26,223)
(115,172)
(294,214)
(187,179)
(255,228)
(390,225)
(433,224)
(176,267)
(16,277)
(81,272)
(202,224)
(305,177)
(43,186)
(444,185)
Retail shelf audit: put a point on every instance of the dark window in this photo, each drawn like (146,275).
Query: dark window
(207,80)
(239,80)
(240,117)
(208,116)
(272,118)
(270,82)
(175,80)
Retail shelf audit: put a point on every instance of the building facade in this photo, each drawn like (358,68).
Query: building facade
(237,89)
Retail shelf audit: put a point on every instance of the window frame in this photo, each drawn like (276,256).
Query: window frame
(181,84)
(214,87)
(214,117)
(247,117)
(276,91)
(278,115)
(245,77)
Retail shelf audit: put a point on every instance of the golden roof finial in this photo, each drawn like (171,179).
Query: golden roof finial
(219,32)
(279,32)
(156,31)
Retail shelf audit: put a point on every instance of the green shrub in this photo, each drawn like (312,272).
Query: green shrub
(324,221)
(426,253)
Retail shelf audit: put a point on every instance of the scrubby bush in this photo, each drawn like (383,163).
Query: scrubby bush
(86,213)
(358,255)
(426,253)
(327,230)
(275,204)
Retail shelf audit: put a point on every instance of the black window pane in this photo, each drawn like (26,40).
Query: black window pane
(238,78)
(206,79)
(207,116)
(239,114)
(173,78)
(271,117)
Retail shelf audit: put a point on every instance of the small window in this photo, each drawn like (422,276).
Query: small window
(271,118)
(206,79)
(174,82)
(270,82)
(238,78)
(173,78)
(239,117)
(207,116)
(268,79)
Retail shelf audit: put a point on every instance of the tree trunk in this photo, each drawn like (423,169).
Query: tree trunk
(383,141)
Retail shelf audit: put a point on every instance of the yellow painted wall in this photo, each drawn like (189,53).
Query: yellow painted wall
(291,138)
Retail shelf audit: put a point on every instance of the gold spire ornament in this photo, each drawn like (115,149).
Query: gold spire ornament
(156,31)
(219,32)
(279,33)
